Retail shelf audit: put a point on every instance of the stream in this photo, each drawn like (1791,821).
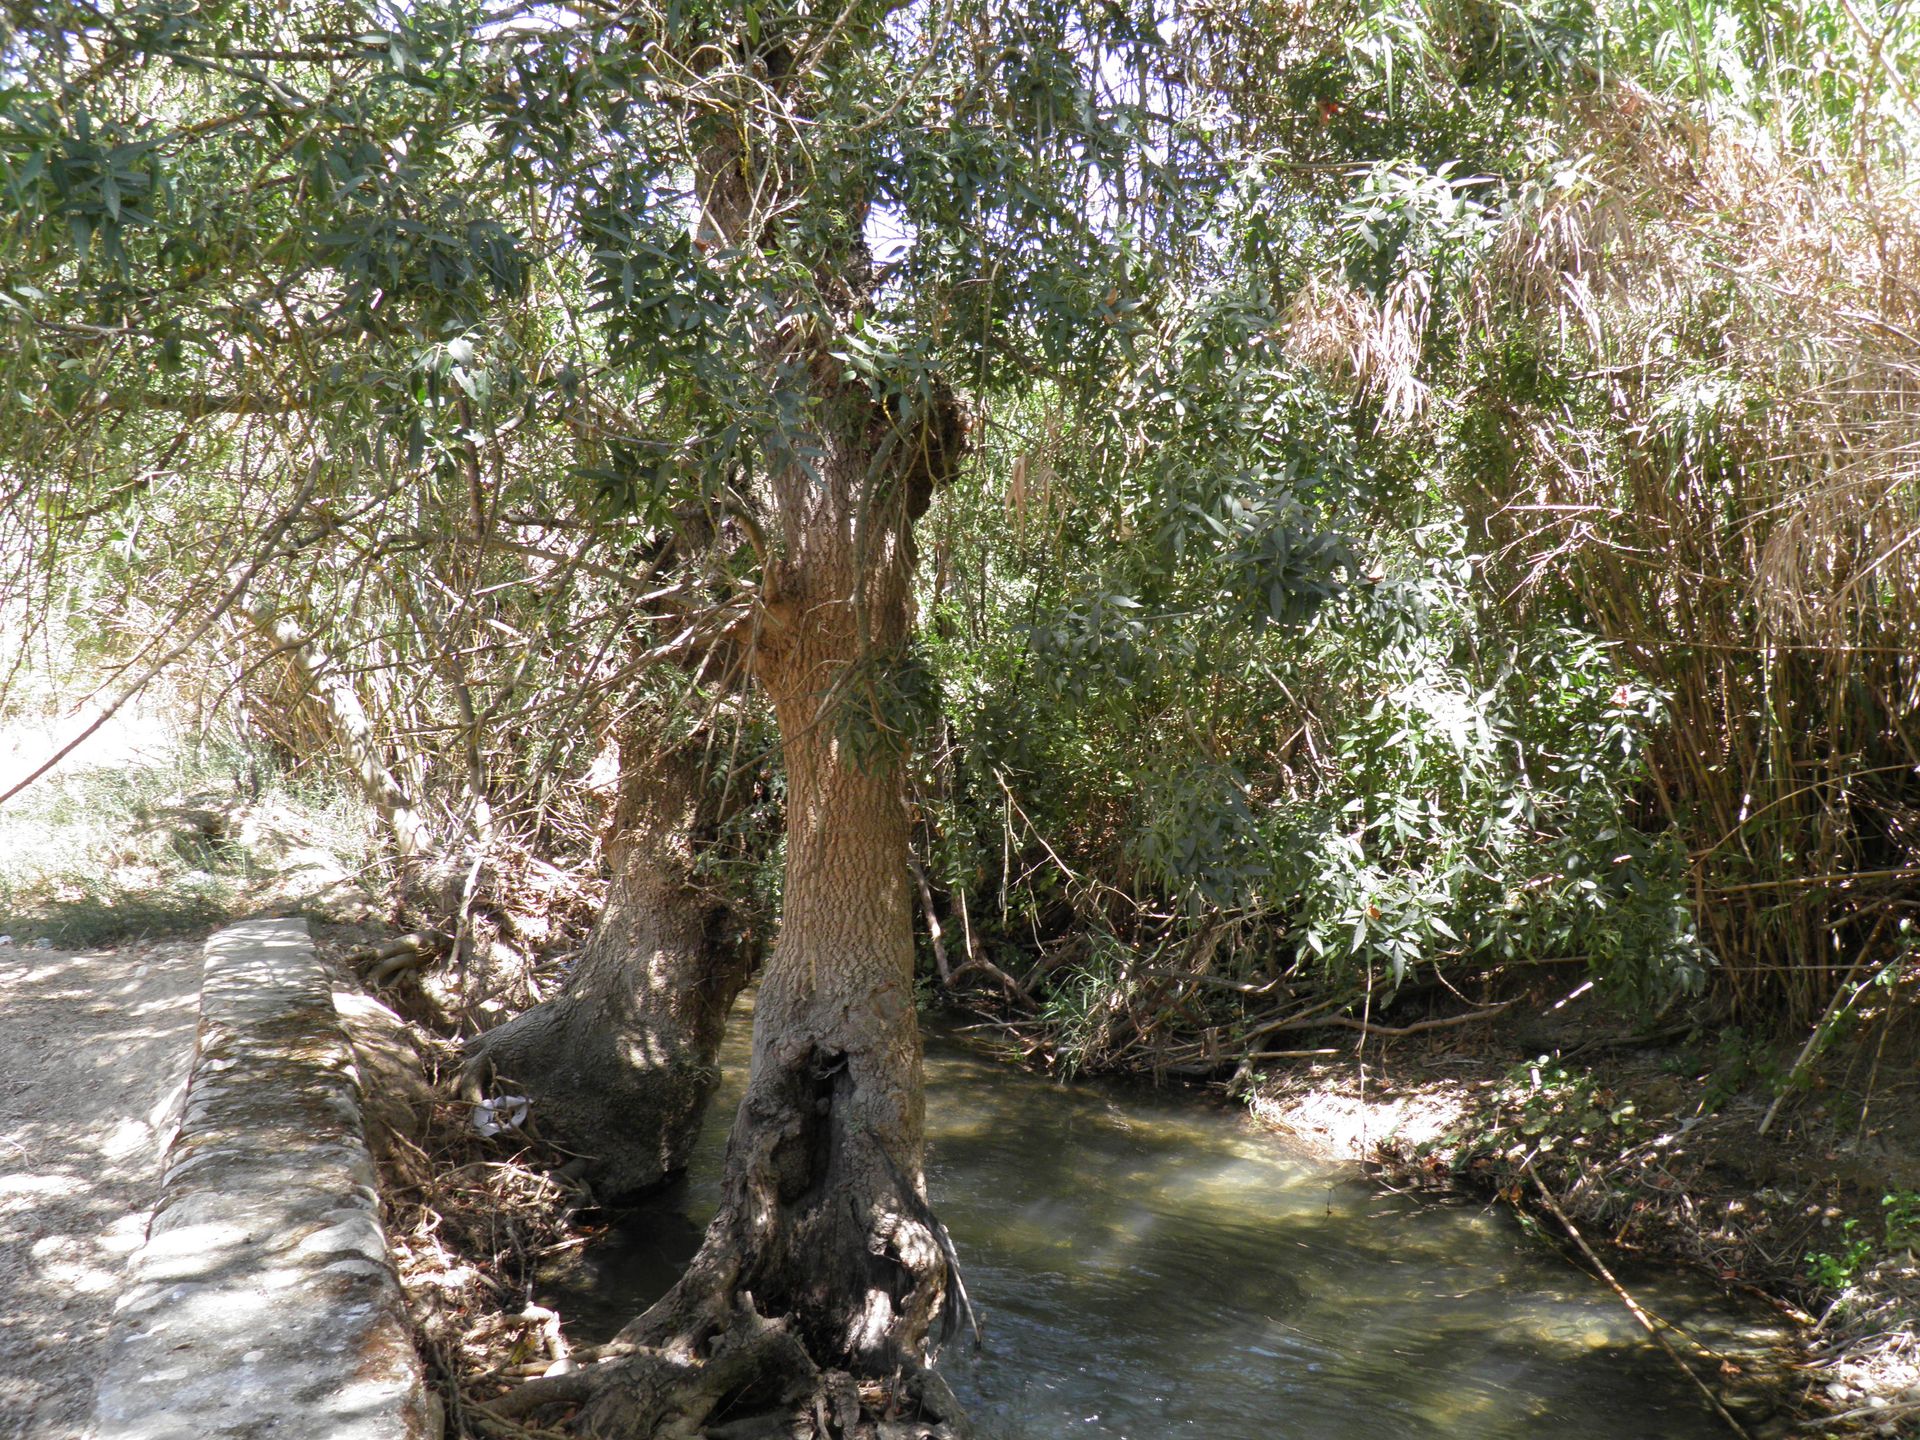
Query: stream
(1148,1264)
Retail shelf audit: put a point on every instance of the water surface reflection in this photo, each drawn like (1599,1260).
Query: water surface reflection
(1146,1265)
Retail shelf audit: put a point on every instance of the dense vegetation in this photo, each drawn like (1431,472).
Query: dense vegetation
(1445,504)
(1300,503)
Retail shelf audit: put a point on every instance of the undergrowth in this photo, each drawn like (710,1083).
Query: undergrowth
(205,830)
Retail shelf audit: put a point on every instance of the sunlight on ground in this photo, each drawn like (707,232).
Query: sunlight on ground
(140,734)
(93,1053)
(149,828)
(1347,1126)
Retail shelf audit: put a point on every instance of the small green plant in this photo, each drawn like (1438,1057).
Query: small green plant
(1902,1209)
(1553,1095)
(1740,1059)
(1080,1009)
(1837,1270)
(1545,1105)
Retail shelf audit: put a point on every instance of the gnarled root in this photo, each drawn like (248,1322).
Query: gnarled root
(822,1250)
(382,965)
(755,1381)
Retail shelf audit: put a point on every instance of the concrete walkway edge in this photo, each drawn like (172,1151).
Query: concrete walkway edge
(263,1302)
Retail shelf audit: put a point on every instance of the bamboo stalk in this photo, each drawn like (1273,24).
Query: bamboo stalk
(1798,882)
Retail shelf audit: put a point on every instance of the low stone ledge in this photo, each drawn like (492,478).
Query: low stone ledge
(263,1303)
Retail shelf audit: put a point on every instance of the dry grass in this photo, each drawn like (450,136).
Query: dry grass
(1742,512)
(1867,1363)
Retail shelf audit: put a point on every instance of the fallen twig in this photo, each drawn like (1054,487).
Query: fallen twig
(939,945)
(1634,1308)
(1368,1027)
(993,971)
(492,1419)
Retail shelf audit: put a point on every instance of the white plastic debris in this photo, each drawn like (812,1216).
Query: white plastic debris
(504,1112)
(5,940)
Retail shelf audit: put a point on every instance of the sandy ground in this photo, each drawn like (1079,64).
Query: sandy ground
(94,1050)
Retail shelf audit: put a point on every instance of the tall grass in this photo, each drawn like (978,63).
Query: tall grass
(1721,470)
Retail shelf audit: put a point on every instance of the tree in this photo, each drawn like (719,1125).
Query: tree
(361,239)
(818,394)
(620,1066)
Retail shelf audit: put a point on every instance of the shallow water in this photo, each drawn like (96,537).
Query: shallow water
(1146,1264)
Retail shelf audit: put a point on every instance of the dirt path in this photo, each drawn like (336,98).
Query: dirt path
(93,1051)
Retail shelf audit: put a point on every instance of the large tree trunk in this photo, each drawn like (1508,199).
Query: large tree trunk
(824,1267)
(620,1066)
(807,1311)
(824,1220)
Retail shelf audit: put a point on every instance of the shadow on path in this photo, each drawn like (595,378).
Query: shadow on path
(94,1050)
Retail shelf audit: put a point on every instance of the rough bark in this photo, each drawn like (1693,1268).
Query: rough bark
(824,1245)
(620,1066)
(824,1232)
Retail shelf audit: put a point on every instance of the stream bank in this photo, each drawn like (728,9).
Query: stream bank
(1149,1263)
(1652,1146)
(1649,1147)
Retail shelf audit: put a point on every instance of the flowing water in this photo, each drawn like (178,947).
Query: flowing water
(1148,1265)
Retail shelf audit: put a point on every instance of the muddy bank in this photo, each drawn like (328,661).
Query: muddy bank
(1652,1145)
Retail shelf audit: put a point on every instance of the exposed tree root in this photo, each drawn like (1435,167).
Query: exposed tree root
(385,963)
(805,1313)
(753,1378)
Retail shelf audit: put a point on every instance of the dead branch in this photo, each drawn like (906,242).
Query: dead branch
(1634,1307)
(1368,1027)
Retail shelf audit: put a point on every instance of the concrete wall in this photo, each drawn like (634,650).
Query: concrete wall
(263,1302)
